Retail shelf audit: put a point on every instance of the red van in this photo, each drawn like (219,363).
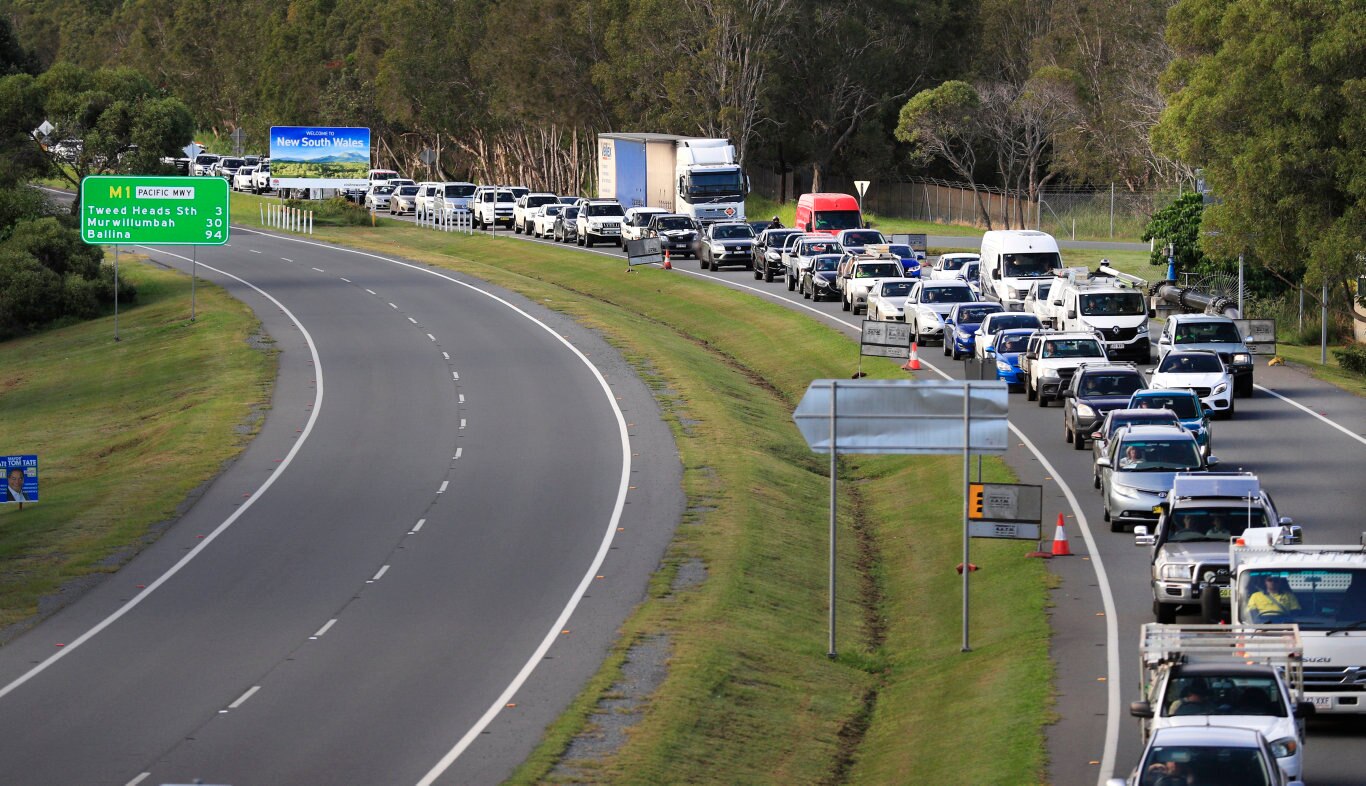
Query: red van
(827,214)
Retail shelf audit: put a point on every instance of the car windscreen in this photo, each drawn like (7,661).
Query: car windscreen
(1224,694)
(1008,321)
(1216,524)
(384,189)
(732,232)
(975,314)
(811,247)
(570,212)
(953,263)
(1041,289)
(537,201)
(1185,407)
(232,162)
(826,263)
(877,270)
(1158,455)
(948,295)
(1113,304)
(459,190)
(506,196)
(716,183)
(552,209)
(1332,599)
(897,288)
(1158,417)
(671,224)
(606,209)
(834,220)
(861,238)
(1015,343)
(1073,348)
(1036,263)
(1207,333)
(1111,384)
(1190,364)
(407,190)
(1179,763)
(206,158)
(903,251)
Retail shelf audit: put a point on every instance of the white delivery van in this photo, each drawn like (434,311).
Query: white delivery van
(1012,260)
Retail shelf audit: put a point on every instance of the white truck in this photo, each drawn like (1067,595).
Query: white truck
(525,206)
(1320,588)
(1248,677)
(1012,260)
(1108,302)
(1051,358)
(691,176)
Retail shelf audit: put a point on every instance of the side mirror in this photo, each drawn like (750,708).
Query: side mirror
(1140,709)
(1103,462)
(1143,538)
(990,350)
(1149,371)
(1152,312)
(1305,709)
(1072,313)
(1285,521)
(1069,393)
(1292,535)
(1163,339)
(1097,435)
(1211,461)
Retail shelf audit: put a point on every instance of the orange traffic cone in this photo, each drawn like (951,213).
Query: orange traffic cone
(914,363)
(667,266)
(1060,546)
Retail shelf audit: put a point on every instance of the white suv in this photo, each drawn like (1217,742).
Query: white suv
(428,196)
(525,207)
(599,220)
(493,205)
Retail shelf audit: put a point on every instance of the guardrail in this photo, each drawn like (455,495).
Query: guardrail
(288,218)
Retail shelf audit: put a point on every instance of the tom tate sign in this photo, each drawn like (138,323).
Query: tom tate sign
(165,211)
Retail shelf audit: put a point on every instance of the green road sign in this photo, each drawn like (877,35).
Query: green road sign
(161,211)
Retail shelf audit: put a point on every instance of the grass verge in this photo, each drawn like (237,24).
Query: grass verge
(1332,373)
(124,431)
(750,695)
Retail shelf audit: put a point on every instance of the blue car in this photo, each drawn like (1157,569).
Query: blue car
(910,261)
(1186,404)
(960,327)
(1010,344)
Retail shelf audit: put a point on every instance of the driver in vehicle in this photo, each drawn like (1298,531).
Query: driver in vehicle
(1275,602)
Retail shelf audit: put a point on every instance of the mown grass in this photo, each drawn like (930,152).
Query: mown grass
(124,431)
(750,695)
(1307,357)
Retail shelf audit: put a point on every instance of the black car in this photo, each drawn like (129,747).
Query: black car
(818,280)
(768,252)
(726,243)
(566,229)
(1095,389)
(676,233)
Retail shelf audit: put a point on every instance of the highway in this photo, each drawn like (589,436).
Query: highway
(456,498)
(1305,439)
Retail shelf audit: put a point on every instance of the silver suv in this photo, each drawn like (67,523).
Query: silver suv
(1137,471)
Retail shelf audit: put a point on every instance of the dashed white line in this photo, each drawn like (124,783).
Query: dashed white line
(391,305)
(433,338)
(447,356)
(414,321)
(344,278)
(454,374)
(417,527)
(320,270)
(462,424)
(379,575)
(287,259)
(444,484)
(243,698)
(462,398)
(458,452)
(254,251)
(134,782)
(323,629)
(371,291)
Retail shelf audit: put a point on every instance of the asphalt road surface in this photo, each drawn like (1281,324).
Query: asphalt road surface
(456,498)
(1309,452)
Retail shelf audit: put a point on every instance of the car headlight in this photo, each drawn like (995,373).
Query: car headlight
(1084,411)
(1286,746)
(1127,492)
(1142,329)
(1242,359)
(1049,373)
(1177,571)
(932,318)
(1220,388)
(717,248)
(1001,365)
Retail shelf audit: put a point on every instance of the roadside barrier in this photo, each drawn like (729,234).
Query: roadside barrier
(288,218)
(448,221)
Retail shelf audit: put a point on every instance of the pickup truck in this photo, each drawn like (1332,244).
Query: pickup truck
(525,206)
(636,225)
(859,273)
(1052,358)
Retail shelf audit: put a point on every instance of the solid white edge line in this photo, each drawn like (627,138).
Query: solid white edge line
(608,535)
(243,698)
(344,278)
(189,556)
(1297,404)
(287,259)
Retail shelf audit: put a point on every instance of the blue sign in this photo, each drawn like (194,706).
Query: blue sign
(21,479)
(308,157)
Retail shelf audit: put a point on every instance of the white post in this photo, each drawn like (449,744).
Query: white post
(262,206)
(967,478)
(1241,315)
(1112,216)
(1323,321)
(834,468)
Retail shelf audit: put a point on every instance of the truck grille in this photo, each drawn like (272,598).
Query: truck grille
(1341,678)
(1118,333)
(1065,376)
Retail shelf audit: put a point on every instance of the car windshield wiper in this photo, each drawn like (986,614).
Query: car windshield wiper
(1344,628)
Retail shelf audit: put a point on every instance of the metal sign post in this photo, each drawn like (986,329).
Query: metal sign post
(888,416)
(862,187)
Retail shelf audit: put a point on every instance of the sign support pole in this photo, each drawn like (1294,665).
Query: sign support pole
(116,293)
(967,477)
(834,456)
(194,275)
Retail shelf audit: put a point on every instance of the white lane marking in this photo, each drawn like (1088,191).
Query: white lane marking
(1294,403)
(254,251)
(189,556)
(134,782)
(609,533)
(320,270)
(414,321)
(379,575)
(447,356)
(462,398)
(243,698)
(417,527)
(433,338)
(371,291)
(454,376)
(391,305)
(287,259)
(324,629)
(344,278)
(444,484)
(458,451)
(462,424)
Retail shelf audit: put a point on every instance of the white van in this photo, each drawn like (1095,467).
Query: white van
(1012,260)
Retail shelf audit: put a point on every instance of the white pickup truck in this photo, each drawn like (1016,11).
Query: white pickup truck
(525,207)
(1051,359)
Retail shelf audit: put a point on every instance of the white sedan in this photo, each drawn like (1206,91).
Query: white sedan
(244,178)
(1199,370)
(887,299)
(543,219)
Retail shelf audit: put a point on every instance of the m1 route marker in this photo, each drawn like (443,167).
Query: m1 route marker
(155,211)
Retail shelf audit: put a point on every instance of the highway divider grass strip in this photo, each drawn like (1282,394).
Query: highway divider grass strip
(124,432)
(750,695)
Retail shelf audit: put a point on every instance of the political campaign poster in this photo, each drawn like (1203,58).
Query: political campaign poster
(21,479)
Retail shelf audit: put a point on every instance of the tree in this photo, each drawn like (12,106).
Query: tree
(943,123)
(1270,99)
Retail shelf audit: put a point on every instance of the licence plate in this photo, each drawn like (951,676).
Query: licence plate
(1322,701)
(1223,593)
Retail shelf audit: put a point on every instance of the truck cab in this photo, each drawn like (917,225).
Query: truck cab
(711,185)
(1189,545)
(1116,312)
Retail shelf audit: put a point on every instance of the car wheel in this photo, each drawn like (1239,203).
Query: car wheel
(844,304)
(768,274)
(1066,432)
(1095,481)
(1078,441)
(1232,407)
(946,348)
(792,284)
(1031,392)
(806,294)
(1042,399)
(1164,612)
